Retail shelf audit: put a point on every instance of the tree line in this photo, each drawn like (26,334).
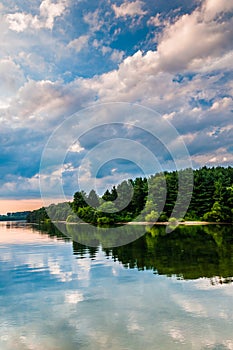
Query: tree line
(151,199)
(21,215)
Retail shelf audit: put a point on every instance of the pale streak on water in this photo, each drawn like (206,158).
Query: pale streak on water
(51,299)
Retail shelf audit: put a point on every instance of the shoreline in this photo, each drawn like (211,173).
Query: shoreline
(176,223)
(144,223)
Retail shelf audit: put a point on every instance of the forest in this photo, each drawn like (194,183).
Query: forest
(151,199)
(22,215)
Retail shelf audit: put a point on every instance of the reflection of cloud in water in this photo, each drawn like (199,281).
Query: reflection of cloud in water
(83,270)
(101,305)
(176,334)
(228,344)
(190,305)
(54,268)
(36,261)
(73,297)
(204,284)
(133,324)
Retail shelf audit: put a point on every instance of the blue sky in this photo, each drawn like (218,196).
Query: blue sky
(60,56)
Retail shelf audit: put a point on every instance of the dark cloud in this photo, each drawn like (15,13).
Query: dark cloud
(55,62)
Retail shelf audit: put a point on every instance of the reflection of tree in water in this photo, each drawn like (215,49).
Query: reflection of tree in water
(188,252)
(103,236)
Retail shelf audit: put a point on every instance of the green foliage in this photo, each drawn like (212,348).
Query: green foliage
(79,201)
(152,216)
(60,211)
(163,217)
(110,196)
(105,220)
(216,214)
(72,218)
(38,216)
(93,199)
(172,220)
(22,215)
(212,199)
(107,207)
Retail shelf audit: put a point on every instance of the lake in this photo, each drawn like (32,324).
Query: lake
(162,291)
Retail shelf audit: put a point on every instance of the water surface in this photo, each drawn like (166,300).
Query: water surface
(160,292)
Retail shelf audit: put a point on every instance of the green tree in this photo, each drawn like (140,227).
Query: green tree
(79,201)
(93,199)
(216,214)
(153,216)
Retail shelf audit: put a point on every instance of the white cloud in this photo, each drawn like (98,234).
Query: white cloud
(193,38)
(76,147)
(213,8)
(179,50)
(222,104)
(105,49)
(49,11)
(94,20)
(131,9)
(155,20)
(117,55)
(18,22)
(79,43)
(33,61)
(220,157)
(16,185)
(11,77)
(41,105)
(199,42)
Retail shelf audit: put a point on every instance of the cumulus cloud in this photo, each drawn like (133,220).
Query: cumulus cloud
(220,157)
(179,50)
(185,78)
(43,104)
(18,187)
(49,11)
(130,9)
(193,37)
(213,8)
(11,77)
(21,21)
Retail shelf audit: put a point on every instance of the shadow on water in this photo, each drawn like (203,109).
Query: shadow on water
(189,252)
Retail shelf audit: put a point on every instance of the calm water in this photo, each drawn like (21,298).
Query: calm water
(160,292)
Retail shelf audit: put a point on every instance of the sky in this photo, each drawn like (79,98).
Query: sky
(60,57)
